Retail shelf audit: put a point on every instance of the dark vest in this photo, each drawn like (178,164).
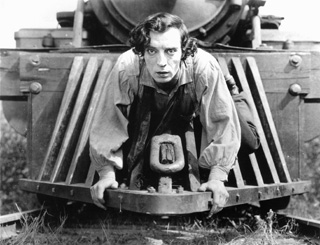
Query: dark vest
(146,121)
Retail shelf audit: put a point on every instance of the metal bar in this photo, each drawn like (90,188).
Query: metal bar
(64,115)
(266,116)
(165,204)
(223,65)
(308,227)
(76,171)
(17,216)
(90,175)
(62,163)
(77,25)
(238,175)
(194,175)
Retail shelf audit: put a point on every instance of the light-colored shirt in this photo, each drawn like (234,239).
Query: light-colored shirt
(220,140)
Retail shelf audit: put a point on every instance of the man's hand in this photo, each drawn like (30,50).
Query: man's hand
(220,195)
(98,189)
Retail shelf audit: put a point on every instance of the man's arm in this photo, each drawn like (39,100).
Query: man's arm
(221,134)
(250,140)
(109,129)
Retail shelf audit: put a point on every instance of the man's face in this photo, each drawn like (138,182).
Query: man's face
(163,55)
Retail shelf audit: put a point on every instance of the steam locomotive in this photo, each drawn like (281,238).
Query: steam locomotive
(51,83)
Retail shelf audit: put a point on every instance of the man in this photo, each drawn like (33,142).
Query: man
(158,87)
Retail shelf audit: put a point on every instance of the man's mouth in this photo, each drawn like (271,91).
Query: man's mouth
(162,73)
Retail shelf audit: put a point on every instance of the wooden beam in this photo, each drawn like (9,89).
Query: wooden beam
(77,172)
(64,115)
(72,133)
(264,111)
(238,175)
(245,86)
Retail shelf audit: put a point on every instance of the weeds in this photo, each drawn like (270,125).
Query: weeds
(35,230)
(13,166)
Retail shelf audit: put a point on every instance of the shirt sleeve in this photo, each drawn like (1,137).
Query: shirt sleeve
(109,126)
(221,132)
(250,140)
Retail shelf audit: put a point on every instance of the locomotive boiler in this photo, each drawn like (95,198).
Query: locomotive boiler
(51,83)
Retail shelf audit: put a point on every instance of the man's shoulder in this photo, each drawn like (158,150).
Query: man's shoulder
(203,58)
(128,61)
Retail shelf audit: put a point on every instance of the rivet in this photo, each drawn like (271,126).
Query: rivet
(35,60)
(35,88)
(237,198)
(123,186)
(295,60)
(180,189)
(151,189)
(295,89)
(4,53)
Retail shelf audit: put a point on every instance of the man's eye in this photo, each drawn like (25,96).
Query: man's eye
(151,51)
(171,51)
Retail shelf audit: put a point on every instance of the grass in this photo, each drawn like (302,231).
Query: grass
(13,166)
(242,227)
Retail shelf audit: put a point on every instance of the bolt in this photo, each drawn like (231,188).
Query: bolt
(277,191)
(53,190)
(203,31)
(288,44)
(293,190)
(35,88)
(151,189)
(4,53)
(120,203)
(237,197)
(236,4)
(38,187)
(295,89)
(295,60)
(35,60)
(259,194)
(180,189)
(71,192)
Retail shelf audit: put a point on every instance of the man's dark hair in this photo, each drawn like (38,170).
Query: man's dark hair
(160,22)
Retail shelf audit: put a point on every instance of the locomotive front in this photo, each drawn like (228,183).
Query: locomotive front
(51,84)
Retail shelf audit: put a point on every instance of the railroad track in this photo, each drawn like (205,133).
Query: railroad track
(309,227)
(10,222)
(10,226)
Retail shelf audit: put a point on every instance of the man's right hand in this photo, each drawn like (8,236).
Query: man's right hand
(97,190)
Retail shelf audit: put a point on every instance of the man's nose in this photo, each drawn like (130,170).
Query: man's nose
(162,61)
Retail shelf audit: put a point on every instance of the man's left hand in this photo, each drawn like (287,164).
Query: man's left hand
(220,195)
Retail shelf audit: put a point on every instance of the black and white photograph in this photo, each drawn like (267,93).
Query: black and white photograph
(160,122)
